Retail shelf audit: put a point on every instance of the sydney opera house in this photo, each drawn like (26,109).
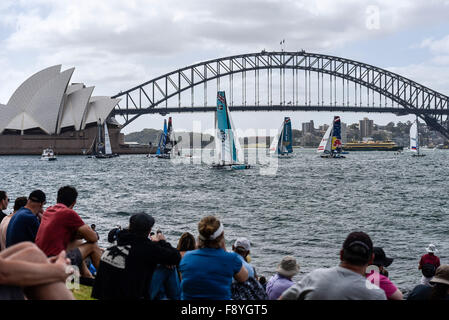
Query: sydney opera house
(47,111)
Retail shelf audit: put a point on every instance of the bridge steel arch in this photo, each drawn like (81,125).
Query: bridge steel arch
(414,98)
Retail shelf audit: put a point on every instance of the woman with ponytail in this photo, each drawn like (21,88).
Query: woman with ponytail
(207,272)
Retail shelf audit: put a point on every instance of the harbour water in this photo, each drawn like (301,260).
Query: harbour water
(305,210)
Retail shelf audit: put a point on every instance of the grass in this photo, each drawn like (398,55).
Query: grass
(83,293)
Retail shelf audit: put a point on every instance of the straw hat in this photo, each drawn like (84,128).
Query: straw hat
(441,275)
(288,267)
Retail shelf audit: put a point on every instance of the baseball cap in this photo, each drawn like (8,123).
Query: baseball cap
(380,259)
(357,248)
(243,243)
(141,223)
(37,196)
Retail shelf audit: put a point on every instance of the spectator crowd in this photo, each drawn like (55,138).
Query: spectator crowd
(41,251)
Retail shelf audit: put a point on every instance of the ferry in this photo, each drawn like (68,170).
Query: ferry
(387,145)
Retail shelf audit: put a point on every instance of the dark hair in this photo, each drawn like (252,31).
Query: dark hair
(439,291)
(207,227)
(241,251)
(186,242)
(67,195)
(20,202)
(2,195)
(140,224)
(357,248)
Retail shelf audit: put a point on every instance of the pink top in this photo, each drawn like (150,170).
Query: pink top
(382,282)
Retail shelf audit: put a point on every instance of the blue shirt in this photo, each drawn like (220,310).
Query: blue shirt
(247,267)
(207,273)
(23,226)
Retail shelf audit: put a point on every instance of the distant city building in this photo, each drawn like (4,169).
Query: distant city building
(344,135)
(366,127)
(324,127)
(308,127)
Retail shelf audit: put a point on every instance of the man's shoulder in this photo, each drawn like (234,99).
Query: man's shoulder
(60,208)
(23,215)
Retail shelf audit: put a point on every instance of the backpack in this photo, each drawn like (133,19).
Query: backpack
(251,289)
(428,270)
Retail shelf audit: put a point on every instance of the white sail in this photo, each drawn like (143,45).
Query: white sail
(240,156)
(174,151)
(107,141)
(414,143)
(224,142)
(325,145)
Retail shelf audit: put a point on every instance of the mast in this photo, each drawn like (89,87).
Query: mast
(417,136)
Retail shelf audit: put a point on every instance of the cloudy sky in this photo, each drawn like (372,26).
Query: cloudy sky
(115,44)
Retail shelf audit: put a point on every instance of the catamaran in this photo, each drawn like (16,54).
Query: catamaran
(330,146)
(102,149)
(167,147)
(282,144)
(228,152)
(414,139)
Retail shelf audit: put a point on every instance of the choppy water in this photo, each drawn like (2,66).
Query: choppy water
(305,210)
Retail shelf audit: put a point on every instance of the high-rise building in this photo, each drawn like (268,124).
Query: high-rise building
(366,127)
(324,127)
(344,134)
(308,127)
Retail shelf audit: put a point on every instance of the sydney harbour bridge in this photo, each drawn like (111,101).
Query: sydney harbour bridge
(285,81)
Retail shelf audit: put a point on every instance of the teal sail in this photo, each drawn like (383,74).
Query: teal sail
(228,152)
(286,145)
(162,140)
(283,142)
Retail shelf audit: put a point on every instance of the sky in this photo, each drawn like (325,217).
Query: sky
(116,45)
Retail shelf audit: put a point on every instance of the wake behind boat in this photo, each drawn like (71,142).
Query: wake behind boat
(282,144)
(330,146)
(228,152)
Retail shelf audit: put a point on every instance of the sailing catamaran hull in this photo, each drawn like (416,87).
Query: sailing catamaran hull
(283,155)
(106,156)
(328,156)
(230,166)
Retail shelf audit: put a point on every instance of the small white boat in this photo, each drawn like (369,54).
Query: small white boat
(48,155)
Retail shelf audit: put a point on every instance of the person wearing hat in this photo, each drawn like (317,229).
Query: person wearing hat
(24,225)
(242,247)
(439,289)
(379,275)
(126,268)
(282,280)
(428,264)
(347,281)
